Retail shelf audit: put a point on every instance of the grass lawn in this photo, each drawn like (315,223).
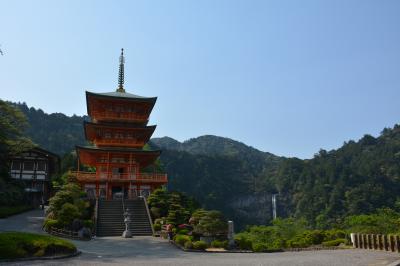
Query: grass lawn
(23,245)
(6,211)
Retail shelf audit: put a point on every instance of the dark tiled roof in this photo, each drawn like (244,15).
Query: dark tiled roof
(122,95)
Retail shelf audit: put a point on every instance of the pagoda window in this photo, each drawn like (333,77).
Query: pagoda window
(118,160)
(128,135)
(103,159)
(119,135)
(107,135)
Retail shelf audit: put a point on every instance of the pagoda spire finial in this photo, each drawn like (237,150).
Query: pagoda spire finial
(121,72)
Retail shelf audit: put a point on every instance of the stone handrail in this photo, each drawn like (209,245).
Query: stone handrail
(376,241)
(148,213)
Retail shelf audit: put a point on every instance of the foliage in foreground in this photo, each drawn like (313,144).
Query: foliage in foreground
(172,207)
(12,124)
(21,245)
(69,209)
(383,221)
(209,223)
(285,233)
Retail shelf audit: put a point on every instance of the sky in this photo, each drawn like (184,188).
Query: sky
(287,77)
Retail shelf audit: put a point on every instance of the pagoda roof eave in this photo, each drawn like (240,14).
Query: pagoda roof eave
(119,150)
(117,125)
(122,96)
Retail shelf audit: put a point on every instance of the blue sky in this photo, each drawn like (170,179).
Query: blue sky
(288,77)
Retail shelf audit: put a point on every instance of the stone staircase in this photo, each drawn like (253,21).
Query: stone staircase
(110,220)
(140,223)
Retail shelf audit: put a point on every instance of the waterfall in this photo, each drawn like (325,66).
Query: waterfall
(274,206)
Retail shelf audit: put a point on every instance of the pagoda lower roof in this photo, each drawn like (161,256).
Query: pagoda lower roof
(122,96)
(118,150)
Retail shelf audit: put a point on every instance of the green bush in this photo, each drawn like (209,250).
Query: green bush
(306,239)
(157,227)
(209,223)
(334,234)
(200,245)
(21,245)
(67,213)
(243,241)
(219,244)
(51,223)
(181,239)
(188,245)
(88,223)
(183,231)
(159,220)
(333,243)
(259,247)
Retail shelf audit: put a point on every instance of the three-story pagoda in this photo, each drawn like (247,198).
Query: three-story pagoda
(118,131)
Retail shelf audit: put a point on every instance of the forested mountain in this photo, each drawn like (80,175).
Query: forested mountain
(230,176)
(55,132)
(222,174)
(356,178)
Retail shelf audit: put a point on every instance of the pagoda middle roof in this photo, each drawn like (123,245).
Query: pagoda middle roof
(118,125)
(122,96)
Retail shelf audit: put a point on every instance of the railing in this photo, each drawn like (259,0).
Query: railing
(98,115)
(377,242)
(65,233)
(104,176)
(126,141)
(148,213)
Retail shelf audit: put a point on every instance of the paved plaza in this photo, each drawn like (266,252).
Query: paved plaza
(155,251)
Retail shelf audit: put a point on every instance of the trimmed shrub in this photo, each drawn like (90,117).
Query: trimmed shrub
(88,223)
(334,243)
(219,244)
(50,223)
(159,221)
(334,234)
(200,245)
(67,213)
(243,242)
(188,245)
(181,239)
(259,247)
(183,231)
(21,245)
(157,227)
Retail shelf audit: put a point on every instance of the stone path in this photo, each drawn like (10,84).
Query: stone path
(155,251)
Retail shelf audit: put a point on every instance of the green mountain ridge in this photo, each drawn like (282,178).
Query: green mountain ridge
(227,175)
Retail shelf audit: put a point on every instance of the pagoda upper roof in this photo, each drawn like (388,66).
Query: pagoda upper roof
(120,125)
(122,96)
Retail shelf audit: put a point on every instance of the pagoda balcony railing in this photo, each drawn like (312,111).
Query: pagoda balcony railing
(125,141)
(117,177)
(99,115)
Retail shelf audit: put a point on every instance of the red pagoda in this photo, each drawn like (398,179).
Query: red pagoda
(118,131)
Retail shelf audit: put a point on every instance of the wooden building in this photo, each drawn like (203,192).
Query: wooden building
(34,168)
(118,131)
